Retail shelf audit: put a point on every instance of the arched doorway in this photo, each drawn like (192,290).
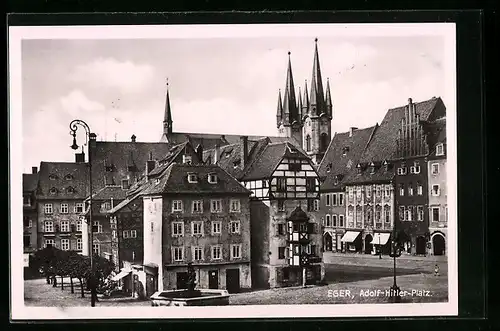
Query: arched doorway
(327,242)
(438,244)
(368,244)
(420,249)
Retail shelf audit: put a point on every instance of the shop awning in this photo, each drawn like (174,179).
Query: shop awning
(350,236)
(380,238)
(123,273)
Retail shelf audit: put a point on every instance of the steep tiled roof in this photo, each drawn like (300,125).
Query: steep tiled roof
(30,182)
(436,134)
(383,144)
(335,162)
(121,155)
(122,204)
(174,155)
(175,180)
(63,180)
(380,175)
(110,192)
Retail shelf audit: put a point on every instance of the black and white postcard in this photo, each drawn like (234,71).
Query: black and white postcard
(233,171)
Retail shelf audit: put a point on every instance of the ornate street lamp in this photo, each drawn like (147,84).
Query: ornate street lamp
(74,127)
(395,253)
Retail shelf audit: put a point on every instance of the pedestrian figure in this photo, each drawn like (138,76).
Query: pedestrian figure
(436,270)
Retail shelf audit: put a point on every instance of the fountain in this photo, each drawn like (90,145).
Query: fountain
(190,296)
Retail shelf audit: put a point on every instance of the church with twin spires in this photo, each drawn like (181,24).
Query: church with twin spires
(303,117)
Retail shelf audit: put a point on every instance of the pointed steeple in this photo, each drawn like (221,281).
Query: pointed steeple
(299,106)
(305,100)
(317,83)
(328,98)
(167,120)
(289,102)
(279,111)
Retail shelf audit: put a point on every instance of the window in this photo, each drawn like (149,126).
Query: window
(177,205)
(216,253)
(281,229)
(65,244)
(328,199)
(387,213)
(234,226)
(328,220)
(30,223)
(215,206)
(186,159)
(96,248)
(177,229)
(419,188)
(311,184)
(435,214)
(26,241)
(264,183)
(133,233)
(409,213)
(47,208)
(281,205)
(358,193)
(401,190)
(64,208)
(49,226)
(235,206)
(281,184)
(197,253)
(26,200)
(415,169)
(387,191)
(126,234)
(216,227)
(378,191)
(334,199)
(308,143)
(97,228)
(420,213)
(435,168)
(402,213)
(334,218)
(351,193)
(341,221)
(341,199)
(49,243)
(295,167)
(197,206)
(312,204)
(439,150)
(410,189)
(64,226)
(402,171)
(177,253)
(113,234)
(435,190)
(79,244)
(197,228)
(236,251)
(212,178)
(192,178)
(281,253)
(313,250)
(378,216)
(79,225)
(79,207)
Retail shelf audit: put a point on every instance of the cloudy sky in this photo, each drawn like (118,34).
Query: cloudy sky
(217,85)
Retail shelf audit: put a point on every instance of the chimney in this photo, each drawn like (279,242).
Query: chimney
(150,165)
(92,141)
(243,151)
(80,157)
(133,138)
(34,170)
(410,101)
(216,153)
(351,130)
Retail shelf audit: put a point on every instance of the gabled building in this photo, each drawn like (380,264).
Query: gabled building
(281,178)
(437,188)
(198,214)
(343,154)
(30,211)
(62,189)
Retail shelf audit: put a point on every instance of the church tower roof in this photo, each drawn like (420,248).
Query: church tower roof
(328,98)
(299,106)
(167,120)
(289,102)
(279,110)
(317,96)
(305,100)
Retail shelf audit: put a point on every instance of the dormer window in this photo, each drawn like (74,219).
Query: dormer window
(68,177)
(386,165)
(236,163)
(125,184)
(328,167)
(109,168)
(130,168)
(192,178)
(345,150)
(439,150)
(358,168)
(415,169)
(372,168)
(52,177)
(53,190)
(402,171)
(70,190)
(186,159)
(157,181)
(212,178)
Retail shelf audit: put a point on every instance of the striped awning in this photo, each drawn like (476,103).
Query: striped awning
(380,238)
(350,236)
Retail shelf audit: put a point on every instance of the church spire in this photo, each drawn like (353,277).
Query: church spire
(328,98)
(305,101)
(279,111)
(167,120)
(316,84)
(299,106)
(289,102)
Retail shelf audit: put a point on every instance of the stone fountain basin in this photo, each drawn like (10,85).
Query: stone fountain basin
(202,297)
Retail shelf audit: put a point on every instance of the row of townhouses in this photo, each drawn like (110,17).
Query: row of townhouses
(249,211)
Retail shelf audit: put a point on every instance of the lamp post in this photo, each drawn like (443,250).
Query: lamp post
(379,248)
(74,127)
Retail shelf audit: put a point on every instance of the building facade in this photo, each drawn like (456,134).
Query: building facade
(198,214)
(30,212)
(62,188)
